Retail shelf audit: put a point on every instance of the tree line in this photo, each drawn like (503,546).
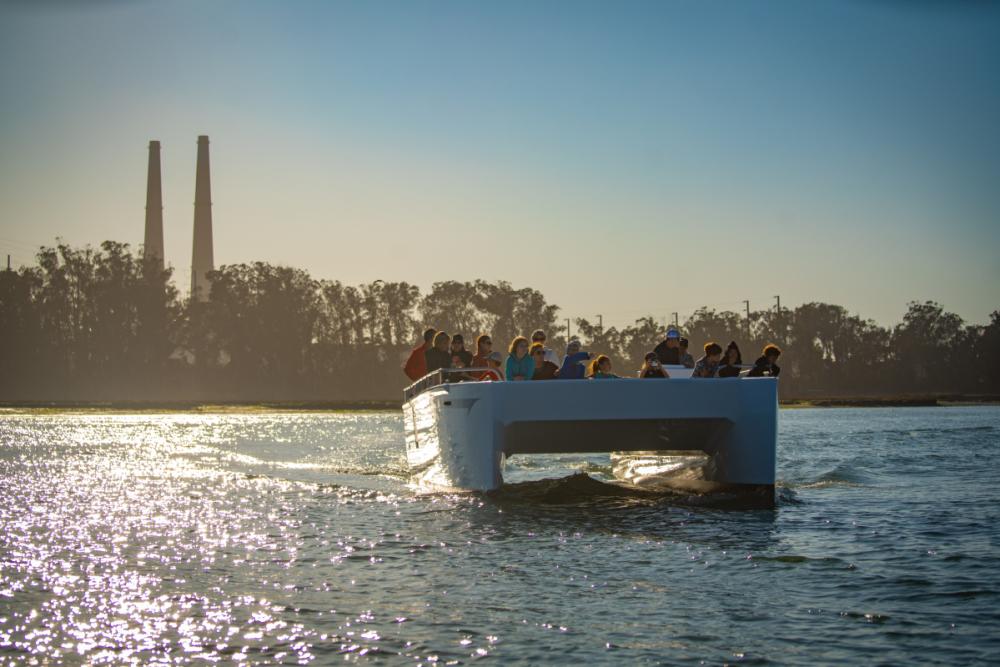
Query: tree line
(87,324)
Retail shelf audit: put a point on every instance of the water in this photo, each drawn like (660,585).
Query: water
(295,538)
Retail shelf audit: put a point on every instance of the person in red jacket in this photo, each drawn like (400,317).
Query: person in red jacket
(416,365)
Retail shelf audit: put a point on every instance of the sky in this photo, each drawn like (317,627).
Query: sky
(624,158)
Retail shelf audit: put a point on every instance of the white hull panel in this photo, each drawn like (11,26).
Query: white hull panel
(457,435)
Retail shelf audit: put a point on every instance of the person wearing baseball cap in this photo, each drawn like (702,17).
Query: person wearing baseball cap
(668,350)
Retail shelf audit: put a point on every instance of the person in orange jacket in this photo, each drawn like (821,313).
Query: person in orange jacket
(416,365)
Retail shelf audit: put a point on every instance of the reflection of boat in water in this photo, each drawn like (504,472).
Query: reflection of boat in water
(689,433)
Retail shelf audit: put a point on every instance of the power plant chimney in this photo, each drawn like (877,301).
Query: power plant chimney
(152,246)
(202,256)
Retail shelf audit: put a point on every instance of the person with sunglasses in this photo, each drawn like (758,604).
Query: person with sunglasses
(485,356)
(538,336)
(544,369)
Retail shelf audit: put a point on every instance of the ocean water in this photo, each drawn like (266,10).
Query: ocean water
(298,539)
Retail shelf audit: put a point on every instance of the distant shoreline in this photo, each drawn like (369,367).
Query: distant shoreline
(250,407)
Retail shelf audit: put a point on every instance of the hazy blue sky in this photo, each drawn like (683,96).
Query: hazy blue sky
(623,157)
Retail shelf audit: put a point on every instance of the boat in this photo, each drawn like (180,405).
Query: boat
(460,433)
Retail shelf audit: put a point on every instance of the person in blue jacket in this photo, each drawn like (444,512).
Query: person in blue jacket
(520,365)
(573,365)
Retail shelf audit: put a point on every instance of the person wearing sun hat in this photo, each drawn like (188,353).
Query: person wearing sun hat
(668,350)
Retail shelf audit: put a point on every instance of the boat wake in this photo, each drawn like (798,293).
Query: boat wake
(582,489)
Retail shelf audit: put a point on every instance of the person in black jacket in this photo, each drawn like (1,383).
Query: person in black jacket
(458,349)
(439,357)
(668,350)
(765,366)
(731,361)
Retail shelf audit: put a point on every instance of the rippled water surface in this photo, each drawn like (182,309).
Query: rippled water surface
(295,538)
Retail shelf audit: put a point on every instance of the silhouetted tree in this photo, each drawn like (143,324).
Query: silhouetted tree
(925,346)
(100,324)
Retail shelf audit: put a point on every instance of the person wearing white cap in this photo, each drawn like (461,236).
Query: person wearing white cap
(668,350)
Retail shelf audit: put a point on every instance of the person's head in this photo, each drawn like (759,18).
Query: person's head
(518,347)
(537,352)
(673,338)
(429,337)
(573,346)
(683,344)
(600,364)
(733,356)
(651,360)
(713,351)
(457,343)
(484,345)
(441,341)
(538,336)
(772,352)
(456,361)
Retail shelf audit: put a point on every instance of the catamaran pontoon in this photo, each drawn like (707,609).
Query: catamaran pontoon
(459,433)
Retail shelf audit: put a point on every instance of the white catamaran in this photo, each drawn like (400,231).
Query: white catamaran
(458,434)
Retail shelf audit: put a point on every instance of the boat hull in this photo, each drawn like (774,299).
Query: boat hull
(458,435)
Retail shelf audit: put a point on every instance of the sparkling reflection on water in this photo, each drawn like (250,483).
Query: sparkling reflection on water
(295,538)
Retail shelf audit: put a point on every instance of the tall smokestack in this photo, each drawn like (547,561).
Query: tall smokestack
(152,245)
(202,256)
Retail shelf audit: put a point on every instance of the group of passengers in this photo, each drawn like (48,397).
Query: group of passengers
(532,360)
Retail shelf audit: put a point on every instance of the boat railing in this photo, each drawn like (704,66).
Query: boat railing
(446,375)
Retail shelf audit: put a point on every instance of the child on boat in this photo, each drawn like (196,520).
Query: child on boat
(600,369)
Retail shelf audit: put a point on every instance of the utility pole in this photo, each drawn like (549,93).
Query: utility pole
(8,262)
(676,325)
(600,325)
(568,335)
(780,319)
(747,302)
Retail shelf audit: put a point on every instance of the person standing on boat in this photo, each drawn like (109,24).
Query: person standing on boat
(520,365)
(652,368)
(731,361)
(438,357)
(416,365)
(708,365)
(765,364)
(685,359)
(573,367)
(538,336)
(544,369)
(668,351)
